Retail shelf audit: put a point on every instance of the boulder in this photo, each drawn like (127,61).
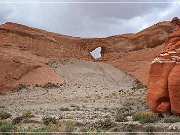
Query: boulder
(163,94)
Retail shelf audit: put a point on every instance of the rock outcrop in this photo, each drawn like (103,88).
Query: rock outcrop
(164,82)
(32,48)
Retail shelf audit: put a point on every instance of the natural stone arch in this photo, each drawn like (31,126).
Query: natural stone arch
(98,52)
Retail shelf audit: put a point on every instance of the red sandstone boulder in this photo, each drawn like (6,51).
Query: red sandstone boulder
(174,89)
(158,95)
(164,77)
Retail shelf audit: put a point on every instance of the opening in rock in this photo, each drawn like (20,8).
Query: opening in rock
(96,53)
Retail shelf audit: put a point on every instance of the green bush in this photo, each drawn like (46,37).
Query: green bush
(145,117)
(4,115)
(70,126)
(49,120)
(6,127)
(171,119)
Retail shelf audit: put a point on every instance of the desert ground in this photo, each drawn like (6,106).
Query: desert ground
(95,97)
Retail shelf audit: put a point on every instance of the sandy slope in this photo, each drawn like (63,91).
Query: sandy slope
(90,86)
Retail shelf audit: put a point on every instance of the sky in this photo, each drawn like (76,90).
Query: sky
(88,19)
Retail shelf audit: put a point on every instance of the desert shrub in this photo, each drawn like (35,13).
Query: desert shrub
(132,128)
(105,108)
(129,128)
(128,103)
(114,129)
(126,110)
(19,87)
(50,85)
(64,109)
(88,129)
(49,120)
(145,117)
(27,114)
(107,123)
(149,129)
(73,105)
(85,129)
(70,126)
(17,120)
(77,108)
(120,117)
(138,85)
(171,119)
(6,127)
(4,115)
(2,93)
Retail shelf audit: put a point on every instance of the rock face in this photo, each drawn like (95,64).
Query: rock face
(164,82)
(25,50)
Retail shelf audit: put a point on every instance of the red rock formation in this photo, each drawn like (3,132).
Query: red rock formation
(33,47)
(24,68)
(164,82)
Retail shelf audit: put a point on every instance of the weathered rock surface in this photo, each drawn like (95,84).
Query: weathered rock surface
(164,82)
(32,48)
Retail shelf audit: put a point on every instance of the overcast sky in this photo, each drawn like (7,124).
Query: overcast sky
(88,19)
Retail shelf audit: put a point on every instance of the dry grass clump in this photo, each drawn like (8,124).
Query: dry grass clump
(145,117)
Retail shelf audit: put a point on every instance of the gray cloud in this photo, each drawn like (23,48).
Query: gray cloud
(88,20)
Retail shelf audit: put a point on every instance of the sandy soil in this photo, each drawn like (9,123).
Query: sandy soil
(88,85)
